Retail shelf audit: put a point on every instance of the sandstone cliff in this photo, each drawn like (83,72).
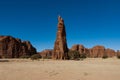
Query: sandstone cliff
(95,52)
(11,47)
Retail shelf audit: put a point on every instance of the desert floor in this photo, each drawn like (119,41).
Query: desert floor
(88,69)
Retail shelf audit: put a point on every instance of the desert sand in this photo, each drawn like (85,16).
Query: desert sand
(88,69)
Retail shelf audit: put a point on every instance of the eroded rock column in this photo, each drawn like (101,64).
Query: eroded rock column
(60,46)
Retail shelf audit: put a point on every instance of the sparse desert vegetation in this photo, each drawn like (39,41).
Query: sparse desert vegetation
(35,57)
(118,57)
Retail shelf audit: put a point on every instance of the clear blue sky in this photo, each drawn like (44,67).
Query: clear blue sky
(88,22)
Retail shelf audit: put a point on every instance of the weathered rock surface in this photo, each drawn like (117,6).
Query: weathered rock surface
(110,52)
(75,47)
(60,47)
(14,48)
(95,52)
(81,49)
(46,53)
(100,51)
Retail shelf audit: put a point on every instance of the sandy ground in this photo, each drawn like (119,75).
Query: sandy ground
(88,69)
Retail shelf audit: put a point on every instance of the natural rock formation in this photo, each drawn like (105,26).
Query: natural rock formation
(60,47)
(100,51)
(81,49)
(95,52)
(75,47)
(110,52)
(13,48)
(46,53)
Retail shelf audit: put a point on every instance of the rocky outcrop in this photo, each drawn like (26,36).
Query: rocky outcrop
(95,52)
(81,49)
(110,52)
(11,47)
(60,47)
(100,51)
(75,47)
(46,53)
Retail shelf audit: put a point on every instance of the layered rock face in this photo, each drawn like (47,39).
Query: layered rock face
(14,48)
(95,52)
(60,47)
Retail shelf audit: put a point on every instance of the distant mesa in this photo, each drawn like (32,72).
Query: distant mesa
(11,47)
(95,52)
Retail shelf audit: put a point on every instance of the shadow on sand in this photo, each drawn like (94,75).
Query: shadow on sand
(4,60)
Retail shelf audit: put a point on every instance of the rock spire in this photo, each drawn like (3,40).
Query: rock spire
(60,47)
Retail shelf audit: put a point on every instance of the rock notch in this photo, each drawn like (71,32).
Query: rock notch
(60,47)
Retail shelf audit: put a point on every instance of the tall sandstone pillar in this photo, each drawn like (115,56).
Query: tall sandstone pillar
(60,46)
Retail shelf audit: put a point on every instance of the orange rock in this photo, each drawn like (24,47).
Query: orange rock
(46,53)
(60,47)
(81,49)
(13,48)
(97,51)
(110,52)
